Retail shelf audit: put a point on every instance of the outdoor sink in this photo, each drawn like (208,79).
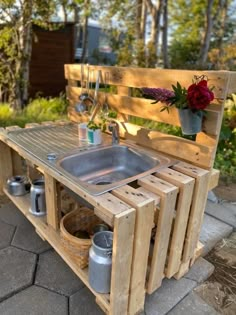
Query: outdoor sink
(105,168)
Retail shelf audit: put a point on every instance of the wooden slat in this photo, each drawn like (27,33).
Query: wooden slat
(146,77)
(6,169)
(16,159)
(108,206)
(52,194)
(150,194)
(214,179)
(123,236)
(198,253)
(168,194)
(143,225)
(185,185)
(198,206)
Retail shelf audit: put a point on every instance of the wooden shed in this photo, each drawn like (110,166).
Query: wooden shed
(50,51)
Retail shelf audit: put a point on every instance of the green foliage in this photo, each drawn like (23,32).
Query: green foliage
(183,53)
(226,152)
(5,113)
(40,109)
(93,126)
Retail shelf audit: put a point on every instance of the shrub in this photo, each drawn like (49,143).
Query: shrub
(38,110)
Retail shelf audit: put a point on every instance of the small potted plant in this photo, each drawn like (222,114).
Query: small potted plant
(94,134)
(191,102)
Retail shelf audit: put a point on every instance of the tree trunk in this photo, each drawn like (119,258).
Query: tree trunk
(85,31)
(27,50)
(223,8)
(207,35)
(155,11)
(165,35)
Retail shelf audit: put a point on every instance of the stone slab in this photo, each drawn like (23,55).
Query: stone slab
(35,301)
(26,238)
(212,232)
(200,271)
(6,234)
(54,274)
(168,295)
(225,212)
(194,305)
(17,270)
(83,302)
(10,214)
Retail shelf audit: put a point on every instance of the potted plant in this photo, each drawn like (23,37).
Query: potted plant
(94,134)
(190,102)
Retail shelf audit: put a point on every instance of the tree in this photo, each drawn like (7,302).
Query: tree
(16,42)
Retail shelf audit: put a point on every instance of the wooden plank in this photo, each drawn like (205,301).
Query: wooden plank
(185,185)
(198,253)
(168,194)
(146,77)
(143,225)
(123,236)
(52,194)
(16,158)
(214,179)
(155,197)
(6,169)
(109,206)
(198,205)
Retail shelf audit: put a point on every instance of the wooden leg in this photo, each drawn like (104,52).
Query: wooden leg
(196,212)
(168,194)
(143,226)
(52,192)
(6,169)
(186,185)
(121,262)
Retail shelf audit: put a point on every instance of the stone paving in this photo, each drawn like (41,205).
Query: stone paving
(34,280)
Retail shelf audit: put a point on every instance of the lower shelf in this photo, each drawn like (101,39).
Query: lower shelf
(54,239)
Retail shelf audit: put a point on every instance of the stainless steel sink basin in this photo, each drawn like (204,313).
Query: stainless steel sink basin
(105,168)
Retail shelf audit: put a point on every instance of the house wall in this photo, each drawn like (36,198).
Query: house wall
(50,51)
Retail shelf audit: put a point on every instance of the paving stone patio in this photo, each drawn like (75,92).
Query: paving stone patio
(34,280)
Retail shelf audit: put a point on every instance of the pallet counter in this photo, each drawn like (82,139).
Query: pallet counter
(157,221)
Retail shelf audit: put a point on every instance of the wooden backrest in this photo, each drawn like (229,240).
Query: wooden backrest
(200,152)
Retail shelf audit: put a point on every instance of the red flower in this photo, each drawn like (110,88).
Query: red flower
(199,95)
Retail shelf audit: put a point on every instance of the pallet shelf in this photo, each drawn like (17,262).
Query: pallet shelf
(54,239)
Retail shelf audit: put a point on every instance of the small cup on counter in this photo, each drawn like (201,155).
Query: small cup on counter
(82,130)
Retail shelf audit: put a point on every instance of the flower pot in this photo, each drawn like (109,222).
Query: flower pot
(94,136)
(191,123)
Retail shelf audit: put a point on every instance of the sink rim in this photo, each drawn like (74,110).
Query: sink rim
(96,190)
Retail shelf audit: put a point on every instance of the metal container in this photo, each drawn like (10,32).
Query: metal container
(100,262)
(18,185)
(37,197)
(100,227)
